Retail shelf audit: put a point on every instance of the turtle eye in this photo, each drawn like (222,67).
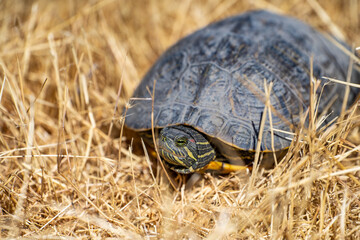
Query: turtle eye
(180,142)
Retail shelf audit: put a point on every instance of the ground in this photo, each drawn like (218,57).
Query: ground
(68,68)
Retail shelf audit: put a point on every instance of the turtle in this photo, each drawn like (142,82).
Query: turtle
(209,96)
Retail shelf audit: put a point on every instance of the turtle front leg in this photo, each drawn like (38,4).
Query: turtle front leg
(223,167)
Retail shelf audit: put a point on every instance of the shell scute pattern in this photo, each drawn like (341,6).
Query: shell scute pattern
(175,111)
(213,79)
(169,73)
(212,85)
(237,130)
(229,50)
(210,121)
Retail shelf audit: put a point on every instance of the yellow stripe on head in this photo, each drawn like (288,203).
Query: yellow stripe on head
(190,154)
(202,143)
(207,154)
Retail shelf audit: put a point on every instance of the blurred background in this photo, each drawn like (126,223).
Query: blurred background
(67,68)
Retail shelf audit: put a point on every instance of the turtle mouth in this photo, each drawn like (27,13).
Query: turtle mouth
(178,168)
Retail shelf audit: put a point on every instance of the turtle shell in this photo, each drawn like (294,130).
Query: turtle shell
(213,80)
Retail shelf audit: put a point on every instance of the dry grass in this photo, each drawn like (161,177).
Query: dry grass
(65,173)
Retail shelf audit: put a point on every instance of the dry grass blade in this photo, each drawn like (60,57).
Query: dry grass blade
(324,16)
(342,82)
(259,139)
(66,169)
(2,88)
(154,140)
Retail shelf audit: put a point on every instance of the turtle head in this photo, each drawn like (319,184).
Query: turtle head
(184,149)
